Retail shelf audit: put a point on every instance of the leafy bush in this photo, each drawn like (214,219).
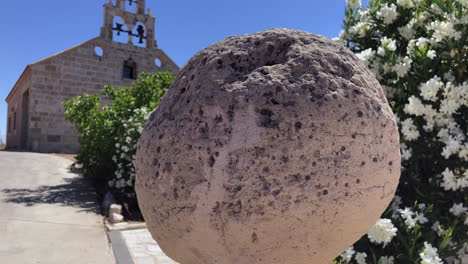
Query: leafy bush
(109,132)
(418,51)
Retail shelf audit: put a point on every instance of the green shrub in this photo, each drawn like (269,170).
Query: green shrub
(109,132)
(418,51)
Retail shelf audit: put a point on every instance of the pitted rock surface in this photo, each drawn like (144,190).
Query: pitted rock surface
(274,147)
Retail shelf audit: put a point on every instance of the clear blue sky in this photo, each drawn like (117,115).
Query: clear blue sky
(35,29)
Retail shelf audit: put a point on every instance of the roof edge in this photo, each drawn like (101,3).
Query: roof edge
(63,51)
(42,60)
(16,83)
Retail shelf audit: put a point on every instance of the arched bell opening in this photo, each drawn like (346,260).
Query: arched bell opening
(131,6)
(139,35)
(120,30)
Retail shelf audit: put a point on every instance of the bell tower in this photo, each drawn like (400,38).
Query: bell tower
(131,19)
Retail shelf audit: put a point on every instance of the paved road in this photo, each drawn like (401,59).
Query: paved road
(48,214)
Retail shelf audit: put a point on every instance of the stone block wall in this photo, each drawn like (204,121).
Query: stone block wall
(17,116)
(73,72)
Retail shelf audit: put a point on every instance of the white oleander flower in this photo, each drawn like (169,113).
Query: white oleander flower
(406,154)
(430,88)
(387,67)
(448,76)
(458,209)
(382,232)
(407,32)
(429,255)
(449,181)
(402,66)
(431,54)
(360,29)
(348,254)
(365,15)
(421,218)
(380,51)
(353,3)
(452,146)
(405,3)
(407,214)
(463,153)
(422,42)
(436,9)
(409,130)
(388,43)
(386,260)
(436,227)
(449,106)
(388,13)
(415,106)
(443,29)
(361,258)
(395,206)
(366,56)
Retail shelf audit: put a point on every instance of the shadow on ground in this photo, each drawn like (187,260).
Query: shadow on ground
(75,192)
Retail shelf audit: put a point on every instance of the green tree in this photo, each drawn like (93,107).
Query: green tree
(109,131)
(2,144)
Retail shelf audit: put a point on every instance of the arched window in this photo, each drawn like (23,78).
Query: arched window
(129,69)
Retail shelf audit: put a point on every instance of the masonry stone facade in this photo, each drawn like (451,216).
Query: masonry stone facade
(36,119)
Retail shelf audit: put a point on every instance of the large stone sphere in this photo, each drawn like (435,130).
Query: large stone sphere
(275,147)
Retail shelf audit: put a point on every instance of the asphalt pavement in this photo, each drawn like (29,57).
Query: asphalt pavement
(48,213)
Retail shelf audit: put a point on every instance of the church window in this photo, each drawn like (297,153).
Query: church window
(129,69)
(157,61)
(98,51)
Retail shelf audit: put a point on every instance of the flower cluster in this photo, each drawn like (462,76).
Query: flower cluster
(429,255)
(417,50)
(382,232)
(109,132)
(125,150)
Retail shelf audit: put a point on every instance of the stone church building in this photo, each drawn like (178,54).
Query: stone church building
(36,119)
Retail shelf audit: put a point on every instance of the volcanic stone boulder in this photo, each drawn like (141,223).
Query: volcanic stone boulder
(274,147)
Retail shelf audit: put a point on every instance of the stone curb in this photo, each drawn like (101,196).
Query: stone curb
(119,247)
(123,226)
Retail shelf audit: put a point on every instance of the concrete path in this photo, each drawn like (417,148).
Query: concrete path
(48,214)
